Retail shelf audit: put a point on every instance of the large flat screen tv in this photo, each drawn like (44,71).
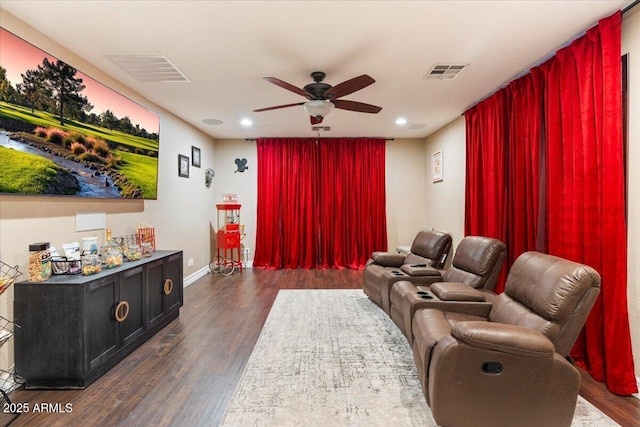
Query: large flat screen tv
(63,133)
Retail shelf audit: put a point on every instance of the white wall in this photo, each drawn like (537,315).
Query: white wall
(631,45)
(181,214)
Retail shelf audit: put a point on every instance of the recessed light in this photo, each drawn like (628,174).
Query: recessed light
(214,122)
(401,121)
(246,122)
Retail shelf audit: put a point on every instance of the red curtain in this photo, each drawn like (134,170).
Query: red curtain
(524,155)
(321,203)
(286,206)
(563,155)
(485,189)
(352,201)
(586,191)
(503,168)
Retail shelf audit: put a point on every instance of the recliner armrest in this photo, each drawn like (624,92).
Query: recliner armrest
(388,259)
(503,337)
(416,270)
(456,291)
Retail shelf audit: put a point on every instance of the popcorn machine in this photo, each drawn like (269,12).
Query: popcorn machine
(230,233)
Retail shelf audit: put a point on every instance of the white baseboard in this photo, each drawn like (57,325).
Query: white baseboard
(637,395)
(193,277)
(190,279)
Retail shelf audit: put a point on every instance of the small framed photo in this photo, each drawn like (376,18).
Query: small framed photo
(195,157)
(436,166)
(183,166)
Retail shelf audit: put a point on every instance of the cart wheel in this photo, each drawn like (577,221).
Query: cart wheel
(226,268)
(214,266)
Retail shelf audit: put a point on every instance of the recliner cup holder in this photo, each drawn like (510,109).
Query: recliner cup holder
(397,273)
(422,293)
(426,296)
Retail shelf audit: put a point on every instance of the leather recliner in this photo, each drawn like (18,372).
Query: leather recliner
(423,264)
(509,368)
(471,278)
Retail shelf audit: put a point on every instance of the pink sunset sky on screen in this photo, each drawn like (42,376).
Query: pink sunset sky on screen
(17,56)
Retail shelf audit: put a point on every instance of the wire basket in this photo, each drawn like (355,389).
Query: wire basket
(6,330)
(10,381)
(8,275)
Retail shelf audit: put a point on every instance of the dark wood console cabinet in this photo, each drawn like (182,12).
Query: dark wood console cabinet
(73,329)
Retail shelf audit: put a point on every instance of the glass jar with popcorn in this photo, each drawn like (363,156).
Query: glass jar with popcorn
(133,252)
(147,249)
(90,264)
(113,258)
(39,262)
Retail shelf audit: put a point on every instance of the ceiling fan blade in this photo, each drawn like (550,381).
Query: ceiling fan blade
(277,106)
(288,86)
(316,120)
(356,106)
(350,86)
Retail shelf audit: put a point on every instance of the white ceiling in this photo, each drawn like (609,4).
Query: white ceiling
(225,48)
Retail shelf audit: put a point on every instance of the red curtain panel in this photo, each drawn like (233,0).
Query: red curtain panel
(485,186)
(586,190)
(524,154)
(286,205)
(321,202)
(561,153)
(352,201)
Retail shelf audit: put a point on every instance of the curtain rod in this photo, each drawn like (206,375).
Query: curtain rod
(306,137)
(543,60)
(631,6)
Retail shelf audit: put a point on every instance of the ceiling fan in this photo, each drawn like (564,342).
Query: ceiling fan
(323,97)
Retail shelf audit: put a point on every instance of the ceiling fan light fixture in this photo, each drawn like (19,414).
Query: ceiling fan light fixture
(318,107)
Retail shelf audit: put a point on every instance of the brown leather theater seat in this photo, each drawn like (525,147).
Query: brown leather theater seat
(509,368)
(467,283)
(422,265)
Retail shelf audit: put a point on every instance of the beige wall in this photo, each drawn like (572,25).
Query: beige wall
(631,45)
(244,184)
(405,191)
(445,199)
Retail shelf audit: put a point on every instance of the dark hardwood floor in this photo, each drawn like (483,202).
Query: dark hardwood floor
(186,374)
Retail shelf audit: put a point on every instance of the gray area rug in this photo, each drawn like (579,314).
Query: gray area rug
(334,358)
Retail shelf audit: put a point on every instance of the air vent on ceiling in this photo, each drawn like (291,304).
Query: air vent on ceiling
(445,71)
(416,126)
(321,128)
(149,68)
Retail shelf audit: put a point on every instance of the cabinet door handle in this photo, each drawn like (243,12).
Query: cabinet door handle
(122,311)
(168,286)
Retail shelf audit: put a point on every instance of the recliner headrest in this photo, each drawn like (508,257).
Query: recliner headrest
(478,255)
(432,244)
(550,286)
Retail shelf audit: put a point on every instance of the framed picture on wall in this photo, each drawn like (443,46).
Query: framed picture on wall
(183,166)
(436,166)
(195,157)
